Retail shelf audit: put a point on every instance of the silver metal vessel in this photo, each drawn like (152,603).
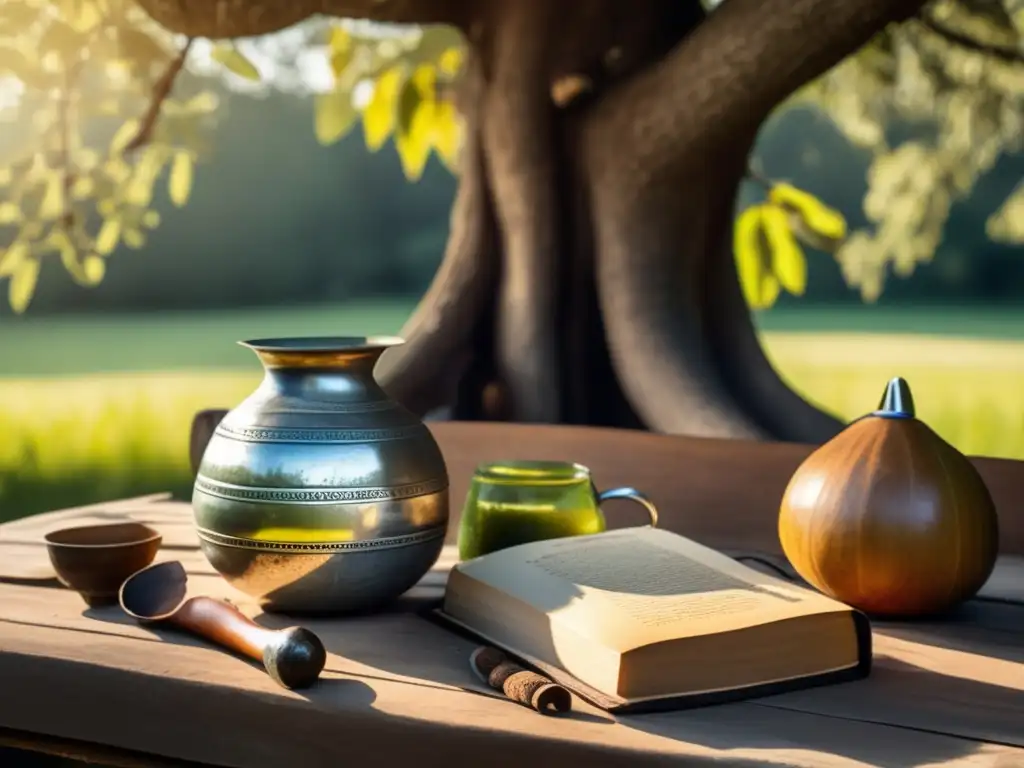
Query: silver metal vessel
(318,493)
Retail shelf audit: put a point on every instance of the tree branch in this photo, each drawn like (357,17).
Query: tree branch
(218,19)
(961,40)
(161,90)
(745,59)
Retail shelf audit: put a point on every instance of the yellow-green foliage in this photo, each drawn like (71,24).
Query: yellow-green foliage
(104,65)
(767,237)
(81,158)
(74,440)
(412,77)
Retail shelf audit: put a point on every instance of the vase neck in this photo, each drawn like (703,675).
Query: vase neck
(359,362)
(330,367)
(353,383)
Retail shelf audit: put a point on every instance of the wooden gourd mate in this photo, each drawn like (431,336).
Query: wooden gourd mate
(890,518)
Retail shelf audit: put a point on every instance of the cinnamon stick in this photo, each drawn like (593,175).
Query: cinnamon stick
(519,684)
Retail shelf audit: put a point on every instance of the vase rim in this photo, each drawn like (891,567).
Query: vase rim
(313,344)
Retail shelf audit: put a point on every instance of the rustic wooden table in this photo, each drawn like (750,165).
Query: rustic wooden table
(397,688)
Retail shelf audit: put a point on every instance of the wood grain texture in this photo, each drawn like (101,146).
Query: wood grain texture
(113,691)
(963,676)
(397,688)
(723,493)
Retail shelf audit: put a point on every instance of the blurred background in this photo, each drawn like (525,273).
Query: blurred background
(284,236)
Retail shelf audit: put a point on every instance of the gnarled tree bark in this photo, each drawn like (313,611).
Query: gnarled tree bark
(588,277)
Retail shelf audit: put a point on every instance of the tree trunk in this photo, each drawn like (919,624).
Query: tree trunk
(617,301)
(588,278)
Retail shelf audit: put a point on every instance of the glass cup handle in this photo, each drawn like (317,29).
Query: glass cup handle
(633,495)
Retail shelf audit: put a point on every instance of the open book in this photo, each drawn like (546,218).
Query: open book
(642,615)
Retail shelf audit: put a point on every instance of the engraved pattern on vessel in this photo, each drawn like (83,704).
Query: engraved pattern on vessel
(318,495)
(323,547)
(315,435)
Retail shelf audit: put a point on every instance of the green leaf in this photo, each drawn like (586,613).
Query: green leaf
(10,213)
(202,103)
(235,61)
(10,260)
(334,116)
(134,238)
(450,62)
(109,236)
(83,187)
(414,145)
(821,220)
(61,242)
(179,185)
(82,15)
(418,89)
(139,190)
(408,102)
(341,50)
(760,286)
(1006,225)
(379,114)
(447,133)
(123,135)
(94,267)
(52,204)
(787,259)
(22,284)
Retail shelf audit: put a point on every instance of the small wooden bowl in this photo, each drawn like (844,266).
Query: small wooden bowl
(95,560)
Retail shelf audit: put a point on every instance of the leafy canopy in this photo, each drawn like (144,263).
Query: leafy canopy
(97,117)
(956,74)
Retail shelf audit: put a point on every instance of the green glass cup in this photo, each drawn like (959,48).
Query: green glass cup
(516,502)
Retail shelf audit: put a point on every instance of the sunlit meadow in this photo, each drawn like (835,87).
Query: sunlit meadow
(73,439)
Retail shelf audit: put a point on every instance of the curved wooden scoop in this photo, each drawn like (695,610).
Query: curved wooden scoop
(293,657)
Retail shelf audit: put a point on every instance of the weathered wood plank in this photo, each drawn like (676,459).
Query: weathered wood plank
(175,524)
(21,749)
(398,688)
(30,564)
(110,690)
(118,505)
(917,683)
(729,490)
(174,520)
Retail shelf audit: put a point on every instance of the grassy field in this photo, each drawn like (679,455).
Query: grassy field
(75,432)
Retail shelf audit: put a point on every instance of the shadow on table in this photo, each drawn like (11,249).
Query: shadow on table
(991,627)
(400,645)
(901,715)
(328,688)
(884,720)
